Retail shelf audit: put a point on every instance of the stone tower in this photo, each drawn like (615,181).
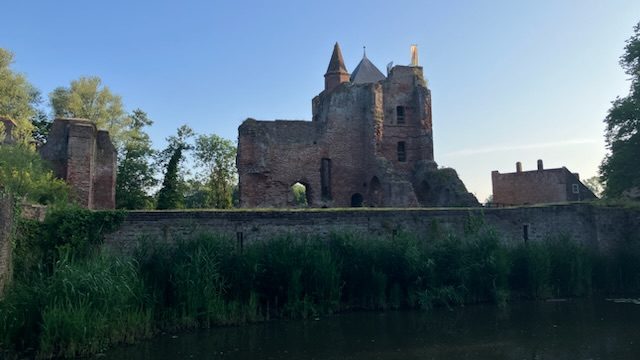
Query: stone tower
(369,143)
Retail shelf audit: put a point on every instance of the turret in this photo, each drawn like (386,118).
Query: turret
(337,71)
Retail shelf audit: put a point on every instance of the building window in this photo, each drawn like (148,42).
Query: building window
(399,115)
(402,153)
(575,188)
(525,232)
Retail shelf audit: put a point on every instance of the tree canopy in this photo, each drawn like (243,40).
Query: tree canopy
(171,195)
(217,156)
(88,98)
(620,170)
(135,169)
(18,98)
(24,175)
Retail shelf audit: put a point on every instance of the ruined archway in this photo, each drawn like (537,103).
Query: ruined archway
(356,200)
(299,195)
(375,196)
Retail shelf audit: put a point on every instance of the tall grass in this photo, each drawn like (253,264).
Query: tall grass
(81,304)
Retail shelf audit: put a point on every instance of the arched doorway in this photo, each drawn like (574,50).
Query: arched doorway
(356,200)
(299,195)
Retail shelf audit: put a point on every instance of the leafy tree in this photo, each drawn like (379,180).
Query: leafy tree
(171,195)
(24,175)
(87,98)
(217,156)
(299,195)
(135,170)
(41,126)
(18,98)
(196,194)
(620,170)
(594,184)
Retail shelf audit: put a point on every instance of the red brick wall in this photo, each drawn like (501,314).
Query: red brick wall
(85,158)
(353,126)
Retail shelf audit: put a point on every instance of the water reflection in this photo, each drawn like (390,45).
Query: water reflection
(550,330)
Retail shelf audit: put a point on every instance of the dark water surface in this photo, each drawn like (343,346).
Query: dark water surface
(544,330)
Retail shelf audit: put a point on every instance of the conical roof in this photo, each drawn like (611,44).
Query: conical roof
(336,64)
(366,72)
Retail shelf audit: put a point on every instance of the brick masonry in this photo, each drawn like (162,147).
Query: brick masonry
(358,150)
(85,158)
(538,186)
(598,227)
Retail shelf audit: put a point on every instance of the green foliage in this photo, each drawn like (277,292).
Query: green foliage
(18,98)
(619,169)
(67,299)
(299,194)
(595,185)
(41,126)
(135,171)
(24,175)
(92,304)
(66,232)
(217,157)
(170,196)
(79,309)
(557,267)
(87,98)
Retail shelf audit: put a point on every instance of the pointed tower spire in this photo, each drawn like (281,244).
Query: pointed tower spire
(336,72)
(414,55)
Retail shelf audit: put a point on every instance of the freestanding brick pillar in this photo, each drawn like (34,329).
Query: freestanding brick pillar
(85,158)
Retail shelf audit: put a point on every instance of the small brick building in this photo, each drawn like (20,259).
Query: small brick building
(85,158)
(538,186)
(369,143)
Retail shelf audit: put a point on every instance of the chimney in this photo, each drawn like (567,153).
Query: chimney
(540,167)
(518,167)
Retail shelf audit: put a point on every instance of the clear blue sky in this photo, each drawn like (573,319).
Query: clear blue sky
(511,80)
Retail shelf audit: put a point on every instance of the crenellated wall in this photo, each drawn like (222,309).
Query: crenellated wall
(595,226)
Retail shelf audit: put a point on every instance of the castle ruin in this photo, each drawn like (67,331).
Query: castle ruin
(370,143)
(85,158)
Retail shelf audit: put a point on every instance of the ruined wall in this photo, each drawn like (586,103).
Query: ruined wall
(267,174)
(370,143)
(598,227)
(538,187)
(356,131)
(85,158)
(6,247)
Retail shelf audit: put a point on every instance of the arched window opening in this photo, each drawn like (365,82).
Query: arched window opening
(300,196)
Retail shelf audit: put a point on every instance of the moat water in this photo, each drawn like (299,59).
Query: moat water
(572,330)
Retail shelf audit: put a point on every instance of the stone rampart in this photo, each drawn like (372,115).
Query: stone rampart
(595,226)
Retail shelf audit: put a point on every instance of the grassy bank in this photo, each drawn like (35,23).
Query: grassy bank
(70,298)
